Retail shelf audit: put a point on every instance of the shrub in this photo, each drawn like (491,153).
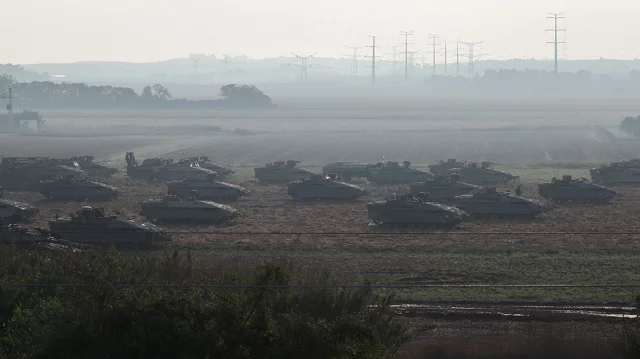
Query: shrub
(146,322)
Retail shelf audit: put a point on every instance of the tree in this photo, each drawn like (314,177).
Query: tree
(244,95)
(161,92)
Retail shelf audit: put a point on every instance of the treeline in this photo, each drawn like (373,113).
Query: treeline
(536,82)
(114,306)
(47,94)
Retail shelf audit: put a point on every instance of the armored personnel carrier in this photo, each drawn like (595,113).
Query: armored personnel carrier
(617,173)
(323,188)
(491,203)
(346,171)
(471,172)
(13,212)
(171,209)
(207,189)
(392,173)
(205,162)
(568,189)
(164,169)
(414,211)
(281,172)
(25,173)
(77,188)
(92,226)
(86,164)
(444,188)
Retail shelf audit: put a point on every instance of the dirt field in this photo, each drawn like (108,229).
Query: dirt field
(588,244)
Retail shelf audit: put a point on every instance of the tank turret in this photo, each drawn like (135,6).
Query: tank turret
(572,190)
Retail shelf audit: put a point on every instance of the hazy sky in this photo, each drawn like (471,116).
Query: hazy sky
(147,30)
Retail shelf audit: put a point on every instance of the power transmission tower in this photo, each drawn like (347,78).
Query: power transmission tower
(445,58)
(226,61)
(303,65)
(457,58)
(373,60)
(471,45)
(354,63)
(394,70)
(406,35)
(433,44)
(194,60)
(555,42)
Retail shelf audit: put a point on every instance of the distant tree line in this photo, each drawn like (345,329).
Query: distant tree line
(47,94)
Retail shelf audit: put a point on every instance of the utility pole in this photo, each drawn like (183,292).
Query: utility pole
(445,58)
(394,70)
(555,42)
(354,63)
(471,45)
(10,98)
(303,65)
(373,60)
(406,35)
(433,44)
(195,59)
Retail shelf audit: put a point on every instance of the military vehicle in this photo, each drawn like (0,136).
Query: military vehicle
(93,226)
(444,188)
(617,173)
(281,172)
(13,212)
(568,189)
(391,172)
(347,171)
(87,165)
(205,162)
(207,189)
(471,172)
(320,187)
(407,210)
(25,173)
(171,209)
(164,169)
(77,188)
(35,238)
(491,203)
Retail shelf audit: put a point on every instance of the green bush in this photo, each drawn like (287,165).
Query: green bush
(125,322)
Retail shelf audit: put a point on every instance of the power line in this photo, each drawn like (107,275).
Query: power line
(303,65)
(445,58)
(433,44)
(354,62)
(314,286)
(394,69)
(406,35)
(373,59)
(471,45)
(458,58)
(555,17)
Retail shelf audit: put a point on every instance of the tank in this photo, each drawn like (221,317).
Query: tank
(164,169)
(617,173)
(471,172)
(491,203)
(347,171)
(13,211)
(444,188)
(35,238)
(568,189)
(327,187)
(77,188)
(171,209)
(205,162)
(87,165)
(393,173)
(414,211)
(281,172)
(207,189)
(25,173)
(93,226)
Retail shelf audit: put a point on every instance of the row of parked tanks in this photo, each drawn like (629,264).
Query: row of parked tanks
(452,191)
